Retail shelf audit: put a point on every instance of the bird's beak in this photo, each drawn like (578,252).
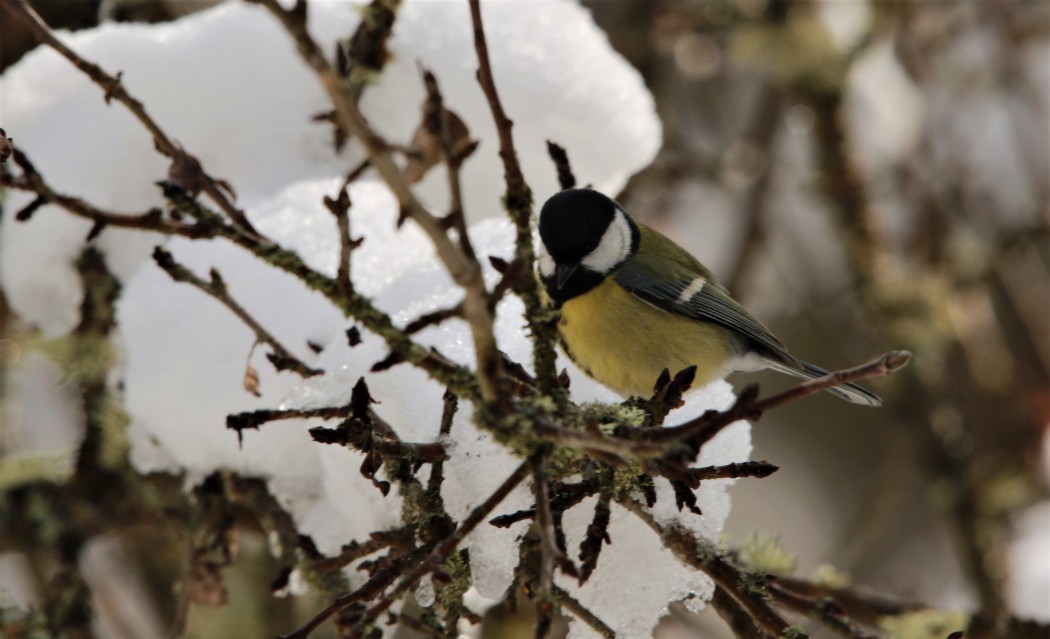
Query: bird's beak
(564,272)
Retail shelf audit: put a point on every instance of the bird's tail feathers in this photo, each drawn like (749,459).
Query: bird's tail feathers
(849,392)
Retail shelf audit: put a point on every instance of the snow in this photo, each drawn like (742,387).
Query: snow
(248,119)
(184,355)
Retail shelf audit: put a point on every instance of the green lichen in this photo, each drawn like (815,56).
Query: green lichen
(765,553)
(450,594)
(924,624)
(755,583)
(830,577)
(83,359)
(25,468)
(707,552)
(794,632)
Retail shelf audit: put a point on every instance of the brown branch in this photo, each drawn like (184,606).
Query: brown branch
(441,119)
(702,555)
(583,613)
(762,134)
(339,206)
(152,220)
(422,564)
(886,364)
(281,357)
(550,552)
(255,418)
(702,428)
(566,179)
(822,610)
(465,272)
(866,607)
(114,90)
(519,206)
(207,224)
(736,616)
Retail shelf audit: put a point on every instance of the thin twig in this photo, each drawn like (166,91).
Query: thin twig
(884,365)
(824,611)
(736,616)
(707,425)
(152,220)
(339,206)
(281,357)
(702,555)
(445,548)
(762,133)
(519,206)
(583,613)
(545,521)
(866,607)
(453,160)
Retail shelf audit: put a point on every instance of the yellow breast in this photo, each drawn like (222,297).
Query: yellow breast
(625,343)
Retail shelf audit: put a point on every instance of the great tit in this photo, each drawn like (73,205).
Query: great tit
(634,303)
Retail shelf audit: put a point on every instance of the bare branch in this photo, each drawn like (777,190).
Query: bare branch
(561,162)
(702,555)
(281,357)
(519,207)
(421,566)
(584,614)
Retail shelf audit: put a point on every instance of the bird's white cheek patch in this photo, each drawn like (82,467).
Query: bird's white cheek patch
(546,262)
(613,248)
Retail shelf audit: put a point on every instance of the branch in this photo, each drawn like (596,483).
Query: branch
(584,614)
(340,208)
(886,364)
(152,220)
(465,271)
(114,89)
(703,428)
(281,358)
(440,120)
(421,565)
(703,556)
(519,206)
(823,610)
(208,224)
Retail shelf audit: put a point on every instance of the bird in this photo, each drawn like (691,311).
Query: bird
(633,303)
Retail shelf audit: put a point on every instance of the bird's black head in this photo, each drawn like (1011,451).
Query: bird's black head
(585,235)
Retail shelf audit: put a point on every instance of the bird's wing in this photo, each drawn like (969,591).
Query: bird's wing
(678,283)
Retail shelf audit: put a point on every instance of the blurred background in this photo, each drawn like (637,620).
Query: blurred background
(863,176)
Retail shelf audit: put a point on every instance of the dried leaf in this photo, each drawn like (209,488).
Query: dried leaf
(251,381)
(186,172)
(428,147)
